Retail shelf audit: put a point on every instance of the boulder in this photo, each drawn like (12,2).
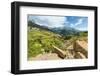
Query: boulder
(61,53)
(79,55)
(81,46)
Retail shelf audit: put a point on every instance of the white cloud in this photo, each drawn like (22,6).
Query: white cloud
(72,25)
(79,22)
(60,21)
(50,21)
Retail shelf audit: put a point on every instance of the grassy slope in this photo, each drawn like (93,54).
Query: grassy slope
(41,41)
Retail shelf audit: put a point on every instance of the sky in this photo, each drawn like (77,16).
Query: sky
(76,22)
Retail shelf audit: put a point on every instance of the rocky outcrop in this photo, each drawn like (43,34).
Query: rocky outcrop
(79,55)
(61,53)
(81,48)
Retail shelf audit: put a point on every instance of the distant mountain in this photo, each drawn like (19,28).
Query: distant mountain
(32,24)
(63,31)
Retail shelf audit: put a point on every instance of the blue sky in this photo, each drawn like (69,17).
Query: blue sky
(76,22)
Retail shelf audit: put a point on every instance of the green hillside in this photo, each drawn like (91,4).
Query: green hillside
(41,41)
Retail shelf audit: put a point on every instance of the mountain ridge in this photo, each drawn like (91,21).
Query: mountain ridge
(63,31)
